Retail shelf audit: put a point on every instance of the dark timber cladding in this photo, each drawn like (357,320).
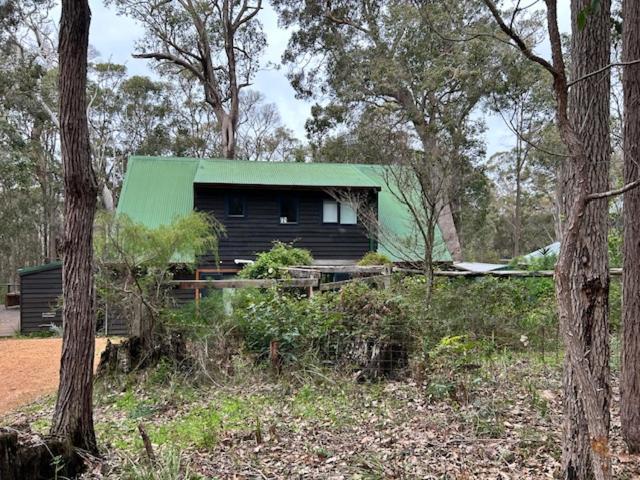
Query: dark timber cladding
(41,297)
(259,225)
(41,291)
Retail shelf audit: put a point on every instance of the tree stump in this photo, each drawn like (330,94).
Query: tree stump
(26,457)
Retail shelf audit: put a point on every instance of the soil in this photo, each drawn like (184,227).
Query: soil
(29,368)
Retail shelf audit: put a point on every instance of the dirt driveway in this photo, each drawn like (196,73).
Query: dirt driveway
(29,368)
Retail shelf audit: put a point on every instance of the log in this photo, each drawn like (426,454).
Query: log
(339,268)
(246,283)
(379,279)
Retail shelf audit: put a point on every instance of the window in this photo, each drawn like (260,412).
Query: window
(235,206)
(348,214)
(288,210)
(329,211)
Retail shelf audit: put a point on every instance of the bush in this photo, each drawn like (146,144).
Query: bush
(268,264)
(511,313)
(360,327)
(301,326)
(378,332)
(213,338)
(374,258)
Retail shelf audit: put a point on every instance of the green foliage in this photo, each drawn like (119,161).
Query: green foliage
(380,314)
(299,325)
(125,241)
(544,262)
(169,467)
(374,258)
(513,313)
(615,303)
(267,264)
(454,349)
(615,248)
(135,262)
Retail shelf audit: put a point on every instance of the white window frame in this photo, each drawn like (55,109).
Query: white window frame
(343,207)
(335,204)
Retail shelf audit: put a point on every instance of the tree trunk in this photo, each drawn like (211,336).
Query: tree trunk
(449,232)
(630,374)
(517,221)
(588,268)
(73,415)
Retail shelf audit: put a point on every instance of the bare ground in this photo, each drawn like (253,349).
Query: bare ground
(29,368)
(501,422)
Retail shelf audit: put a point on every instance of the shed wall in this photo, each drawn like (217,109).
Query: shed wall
(40,295)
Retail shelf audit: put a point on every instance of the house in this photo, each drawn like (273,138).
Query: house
(260,202)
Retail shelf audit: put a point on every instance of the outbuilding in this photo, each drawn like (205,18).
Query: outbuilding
(41,302)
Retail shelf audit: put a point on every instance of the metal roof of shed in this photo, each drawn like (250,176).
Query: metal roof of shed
(39,268)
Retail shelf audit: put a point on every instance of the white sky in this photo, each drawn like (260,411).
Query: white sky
(114,37)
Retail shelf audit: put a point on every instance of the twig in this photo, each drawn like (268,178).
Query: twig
(147,444)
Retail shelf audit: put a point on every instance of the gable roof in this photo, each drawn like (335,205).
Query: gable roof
(157,190)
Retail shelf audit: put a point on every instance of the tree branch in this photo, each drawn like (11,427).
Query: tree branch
(518,40)
(613,193)
(603,69)
(171,58)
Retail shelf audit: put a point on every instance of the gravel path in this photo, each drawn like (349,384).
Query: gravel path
(29,368)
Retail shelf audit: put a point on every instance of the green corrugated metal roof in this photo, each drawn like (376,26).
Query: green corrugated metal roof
(282,174)
(39,268)
(158,189)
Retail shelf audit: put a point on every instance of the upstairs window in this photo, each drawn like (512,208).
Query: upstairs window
(235,206)
(288,210)
(342,212)
(329,211)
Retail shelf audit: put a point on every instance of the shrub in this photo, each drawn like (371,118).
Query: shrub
(300,325)
(268,264)
(374,258)
(511,313)
(213,338)
(378,333)
(360,326)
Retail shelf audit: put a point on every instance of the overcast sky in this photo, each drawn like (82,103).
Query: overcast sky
(114,38)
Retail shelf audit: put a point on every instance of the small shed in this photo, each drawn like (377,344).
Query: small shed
(41,302)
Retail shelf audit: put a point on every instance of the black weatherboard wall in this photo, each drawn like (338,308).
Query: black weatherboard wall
(40,301)
(40,291)
(260,224)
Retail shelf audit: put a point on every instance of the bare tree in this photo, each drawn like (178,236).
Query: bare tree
(73,415)
(630,375)
(218,43)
